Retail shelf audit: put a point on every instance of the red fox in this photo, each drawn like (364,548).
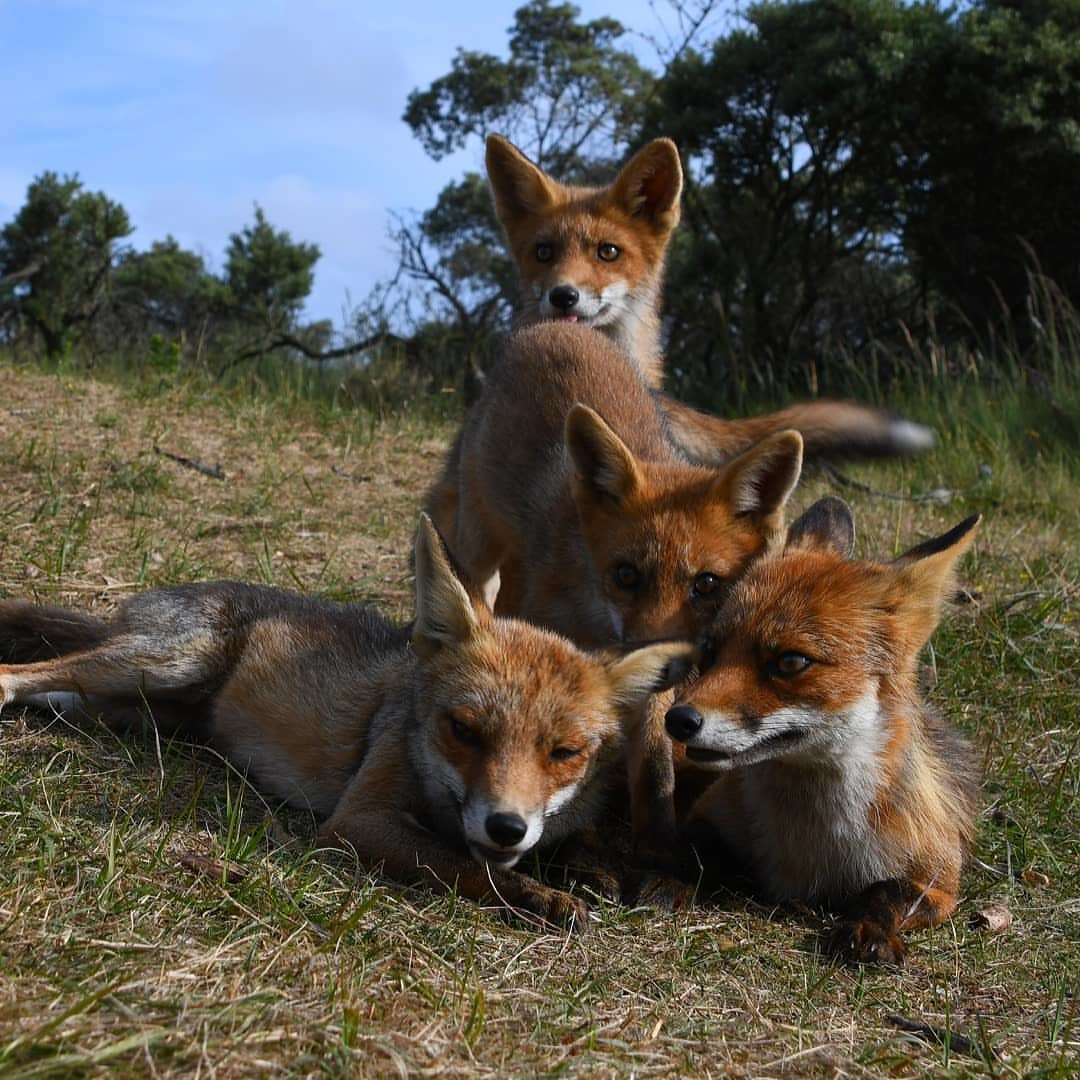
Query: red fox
(461,735)
(838,783)
(596,256)
(564,494)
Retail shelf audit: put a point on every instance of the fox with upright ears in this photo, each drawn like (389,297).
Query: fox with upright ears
(566,499)
(595,256)
(838,784)
(443,751)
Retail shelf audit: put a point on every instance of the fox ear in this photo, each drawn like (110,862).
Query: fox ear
(760,481)
(650,185)
(604,465)
(445,613)
(922,578)
(649,670)
(827,524)
(518,187)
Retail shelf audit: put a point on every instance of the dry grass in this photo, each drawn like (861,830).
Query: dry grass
(156,917)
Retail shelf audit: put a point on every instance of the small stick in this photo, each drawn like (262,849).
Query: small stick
(215,471)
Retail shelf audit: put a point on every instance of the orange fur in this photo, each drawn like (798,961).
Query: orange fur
(595,256)
(443,752)
(569,497)
(838,783)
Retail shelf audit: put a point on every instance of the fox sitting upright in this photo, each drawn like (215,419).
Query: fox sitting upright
(443,752)
(596,256)
(838,783)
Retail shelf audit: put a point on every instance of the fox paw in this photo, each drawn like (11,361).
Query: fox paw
(663,891)
(866,942)
(553,906)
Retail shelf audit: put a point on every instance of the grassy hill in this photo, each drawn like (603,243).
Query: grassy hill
(158,917)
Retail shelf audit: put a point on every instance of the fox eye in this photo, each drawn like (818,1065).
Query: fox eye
(564,753)
(627,576)
(464,734)
(706,584)
(789,664)
(544,252)
(608,252)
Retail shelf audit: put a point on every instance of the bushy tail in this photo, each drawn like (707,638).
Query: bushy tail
(29,633)
(830,429)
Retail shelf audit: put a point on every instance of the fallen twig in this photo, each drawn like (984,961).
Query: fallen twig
(956,1043)
(215,471)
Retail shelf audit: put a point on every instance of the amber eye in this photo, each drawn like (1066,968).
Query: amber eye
(464,734)
(706,584)
(544,252)
(564,753)
(608,252)
(788,664)
(627,576)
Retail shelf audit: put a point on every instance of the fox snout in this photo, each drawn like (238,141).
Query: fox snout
(564,298)
(499,836)
(683,722)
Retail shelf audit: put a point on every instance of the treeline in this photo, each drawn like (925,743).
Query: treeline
(864,177)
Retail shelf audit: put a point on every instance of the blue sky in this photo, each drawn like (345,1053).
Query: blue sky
(190,112)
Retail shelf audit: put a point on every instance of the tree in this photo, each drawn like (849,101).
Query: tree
(57,259)
(269,275)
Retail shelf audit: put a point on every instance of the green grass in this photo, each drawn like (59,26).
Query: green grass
(157,917)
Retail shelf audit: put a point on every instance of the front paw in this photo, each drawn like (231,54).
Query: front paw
(863,941)
(659,890)
(552,907)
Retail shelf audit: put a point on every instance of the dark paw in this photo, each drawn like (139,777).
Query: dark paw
(552,907)
(660,891)
(865,942)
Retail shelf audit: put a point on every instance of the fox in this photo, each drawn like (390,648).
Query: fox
(596,256)
(570,508)
(836,782)
(444,750)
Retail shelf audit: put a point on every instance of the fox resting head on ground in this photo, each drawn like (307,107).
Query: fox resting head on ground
(837,782)
(443,752)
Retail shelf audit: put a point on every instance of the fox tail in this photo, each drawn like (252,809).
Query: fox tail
(29,633)
(830,430)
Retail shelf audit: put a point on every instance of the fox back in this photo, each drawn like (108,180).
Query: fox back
(569,489)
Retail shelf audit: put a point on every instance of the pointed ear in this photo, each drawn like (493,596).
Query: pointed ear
(922,578)
(445,614)
(827,525)
(518,187)
(760,481)
(649,670)
(605,467)
(650,185)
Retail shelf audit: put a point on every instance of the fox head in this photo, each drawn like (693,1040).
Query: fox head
(513,723)
(812,651)
(593,255)
(667,539)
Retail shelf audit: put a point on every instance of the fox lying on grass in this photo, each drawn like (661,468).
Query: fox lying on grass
(461,735)
(595,256)
(566,497)
(838,783)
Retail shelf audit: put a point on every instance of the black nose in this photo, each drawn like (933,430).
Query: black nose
(506,829)
(564,297)
(683,722)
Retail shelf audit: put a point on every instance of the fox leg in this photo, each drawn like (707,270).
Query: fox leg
(373,819)
(651,768)
(869,930)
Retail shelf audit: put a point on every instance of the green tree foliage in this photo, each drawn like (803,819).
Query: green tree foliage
(269,275)
(566,94)
(57,259)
